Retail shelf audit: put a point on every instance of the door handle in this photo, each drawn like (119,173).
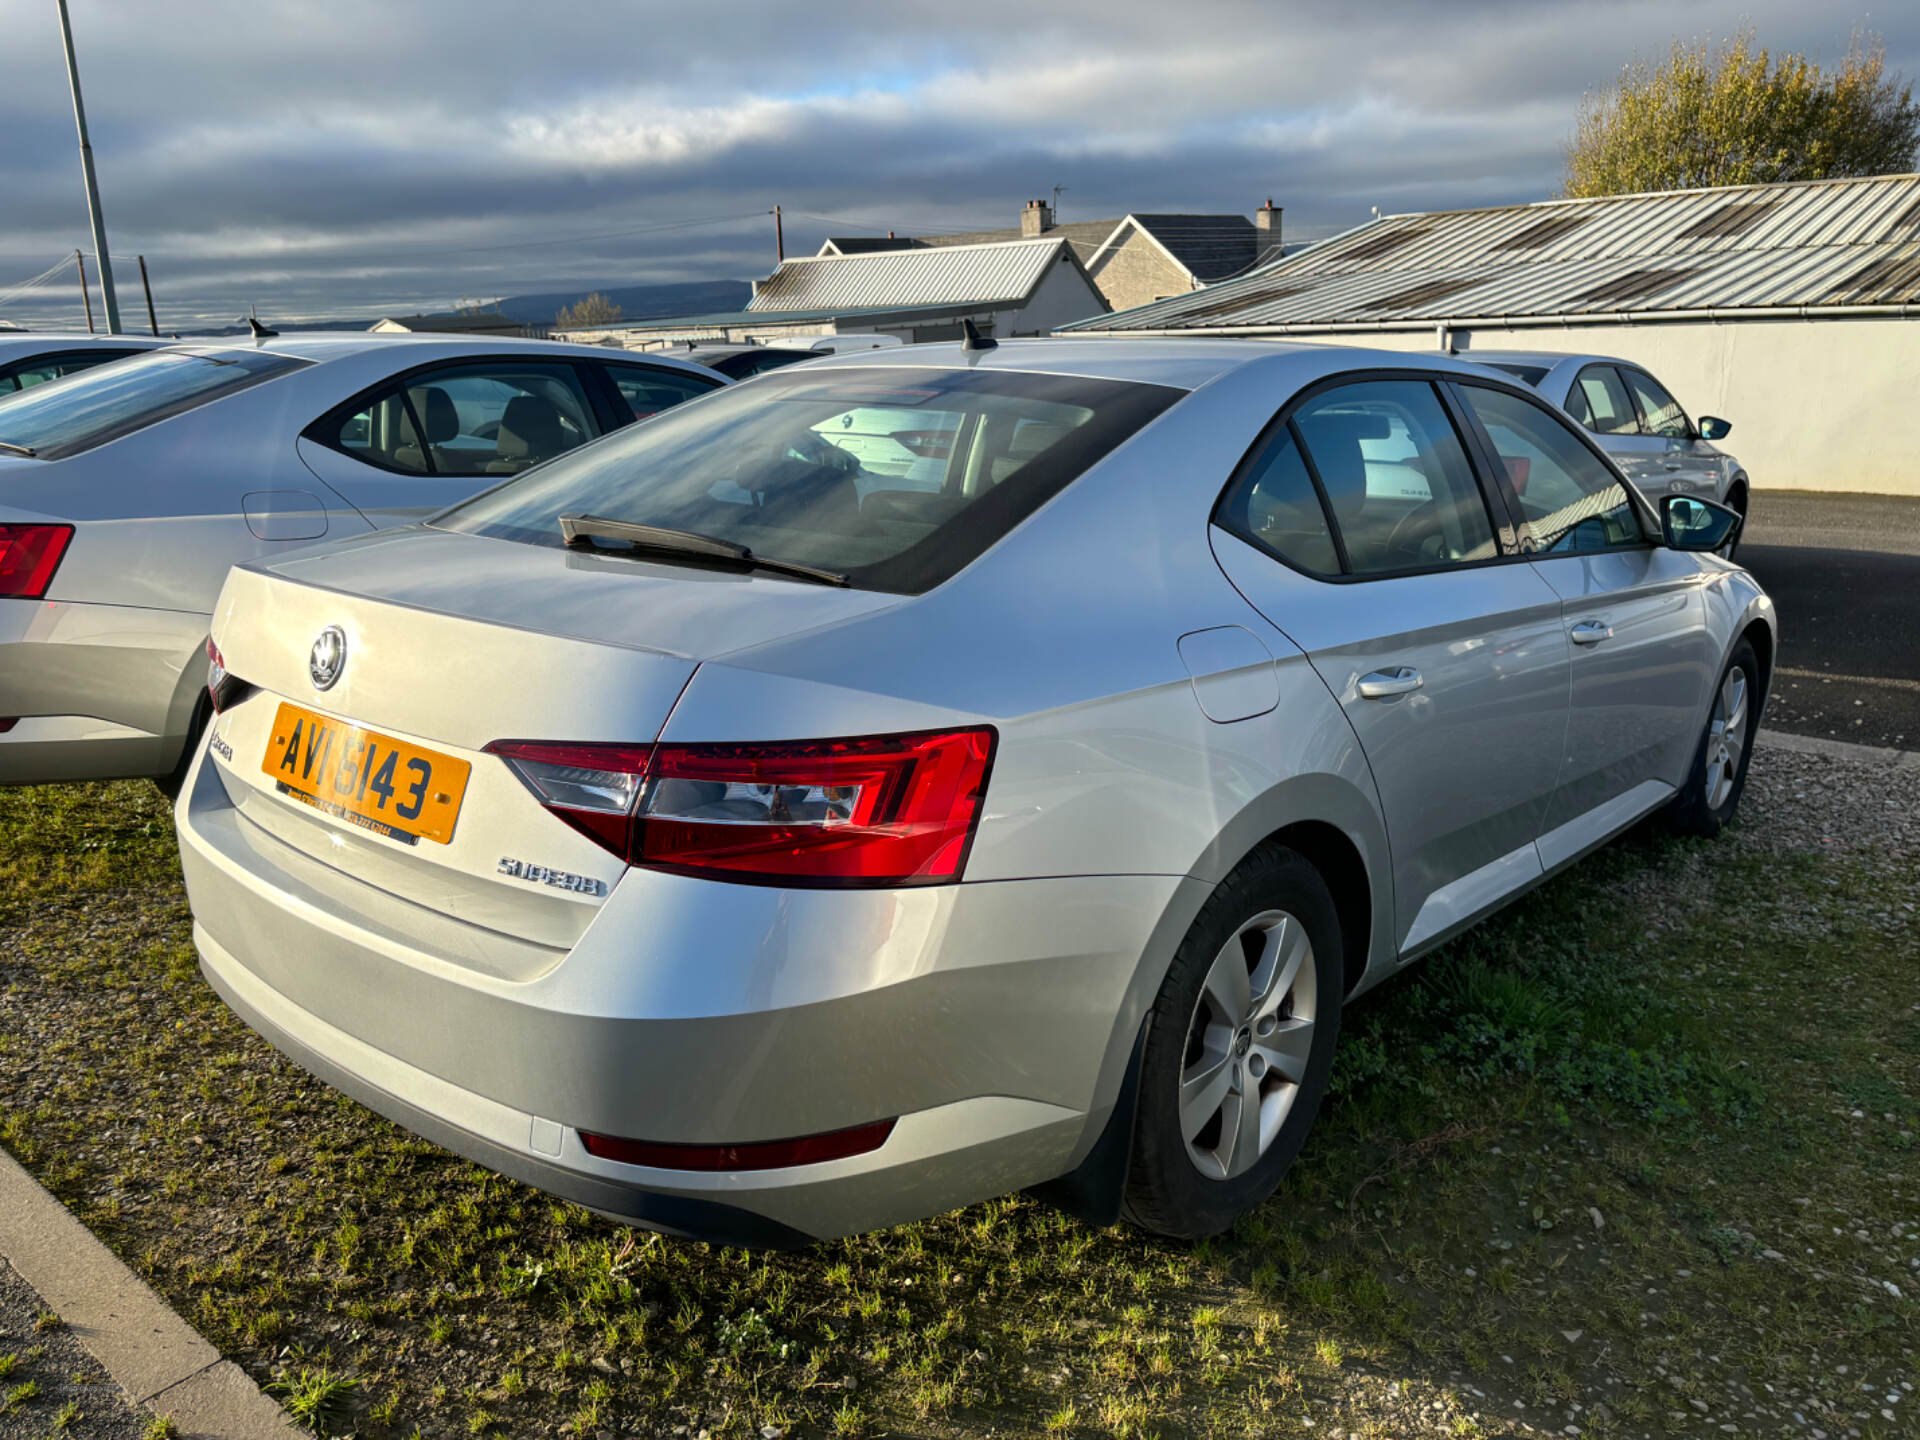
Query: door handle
(1384,684)
(1591,632)
(1673,464)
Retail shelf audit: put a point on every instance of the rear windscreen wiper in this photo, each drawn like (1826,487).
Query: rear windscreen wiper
(580,531)
(8,445)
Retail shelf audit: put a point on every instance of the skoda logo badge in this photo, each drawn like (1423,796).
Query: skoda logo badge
(327,658)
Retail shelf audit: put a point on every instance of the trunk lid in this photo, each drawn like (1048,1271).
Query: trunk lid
(452,642)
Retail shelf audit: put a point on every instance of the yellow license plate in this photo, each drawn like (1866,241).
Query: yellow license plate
(404,792)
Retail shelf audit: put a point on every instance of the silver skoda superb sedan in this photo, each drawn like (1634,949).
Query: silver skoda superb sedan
(922,774)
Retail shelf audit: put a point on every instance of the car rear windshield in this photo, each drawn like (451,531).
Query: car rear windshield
(1526,374)
(896,477)
(81,411)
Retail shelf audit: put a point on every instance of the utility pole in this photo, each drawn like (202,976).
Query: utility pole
(779,240)
(147,286)
(85,299)
(93,185)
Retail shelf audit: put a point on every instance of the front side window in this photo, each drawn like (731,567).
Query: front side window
(646,391)
(105,402)
(1600,402)
(1659,411)
(493,419)
(1568,496)
(1395,476)
(897,478)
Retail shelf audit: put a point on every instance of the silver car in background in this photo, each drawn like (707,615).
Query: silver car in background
(922,774)
(127,490)
(31,358)
(1636,420)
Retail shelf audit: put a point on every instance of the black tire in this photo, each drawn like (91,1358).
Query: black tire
(1737,499)
(1697,810)
(1167,1193)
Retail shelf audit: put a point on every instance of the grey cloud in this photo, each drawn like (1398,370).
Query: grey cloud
(345,158)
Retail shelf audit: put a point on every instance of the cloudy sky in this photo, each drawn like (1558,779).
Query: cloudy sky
(353,158)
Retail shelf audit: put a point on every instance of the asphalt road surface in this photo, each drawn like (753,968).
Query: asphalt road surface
(1845,573)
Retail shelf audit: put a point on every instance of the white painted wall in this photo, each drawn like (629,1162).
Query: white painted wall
(1063,296)
(1816,404)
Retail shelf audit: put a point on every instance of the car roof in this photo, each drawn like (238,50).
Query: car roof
(1183,362)
(321,346)
(46,342)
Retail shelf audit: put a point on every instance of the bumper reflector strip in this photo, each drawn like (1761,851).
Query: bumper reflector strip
(760,1155)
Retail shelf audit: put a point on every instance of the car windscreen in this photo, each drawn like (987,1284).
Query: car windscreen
(895,477)
(81,411)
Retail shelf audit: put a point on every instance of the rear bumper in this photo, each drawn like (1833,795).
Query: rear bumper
(993,1019)
(106,691)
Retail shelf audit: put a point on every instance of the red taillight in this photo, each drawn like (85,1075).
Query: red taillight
(224,689)
(877,811)
(761,1155)
(29,554)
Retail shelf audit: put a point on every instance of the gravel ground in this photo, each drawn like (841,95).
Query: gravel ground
(71,1394)
(1800,801)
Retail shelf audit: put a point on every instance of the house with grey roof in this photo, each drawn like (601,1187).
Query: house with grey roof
(1133,260)
(1006,287)
(1792,310)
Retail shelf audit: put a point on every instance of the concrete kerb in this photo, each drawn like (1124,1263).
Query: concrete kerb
(151,1353)
(1840,750)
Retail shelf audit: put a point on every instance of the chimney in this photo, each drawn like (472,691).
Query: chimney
(1266,232)
(1036,219)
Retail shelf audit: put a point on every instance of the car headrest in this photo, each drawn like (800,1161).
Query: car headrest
(435,409)
(530,429)
(1334,442)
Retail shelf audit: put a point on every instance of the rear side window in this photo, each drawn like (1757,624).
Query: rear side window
(1570,500)
(1278,506)
(898,478)
(67,416)
(1600,402)
(1396,477)
(492,419)
(646,391)
(42,368)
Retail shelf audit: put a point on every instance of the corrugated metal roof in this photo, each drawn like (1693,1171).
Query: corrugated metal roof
(1823,242)
(999,273)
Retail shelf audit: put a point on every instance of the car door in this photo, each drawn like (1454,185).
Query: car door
(1634,612)
(1688,465)
(1367,538)
(430,438)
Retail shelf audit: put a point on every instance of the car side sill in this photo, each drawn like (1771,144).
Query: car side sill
(1455,907)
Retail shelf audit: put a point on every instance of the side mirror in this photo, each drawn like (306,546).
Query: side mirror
(1690,524)
(1712,427)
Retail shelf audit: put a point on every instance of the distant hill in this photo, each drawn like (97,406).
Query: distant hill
(636,302)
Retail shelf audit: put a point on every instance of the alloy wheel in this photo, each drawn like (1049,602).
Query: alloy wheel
(1248,1044)
(1726,737)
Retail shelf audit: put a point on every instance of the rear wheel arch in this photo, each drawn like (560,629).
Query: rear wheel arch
(1332,852)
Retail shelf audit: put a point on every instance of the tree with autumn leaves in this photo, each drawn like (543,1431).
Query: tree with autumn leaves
(1736,114)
